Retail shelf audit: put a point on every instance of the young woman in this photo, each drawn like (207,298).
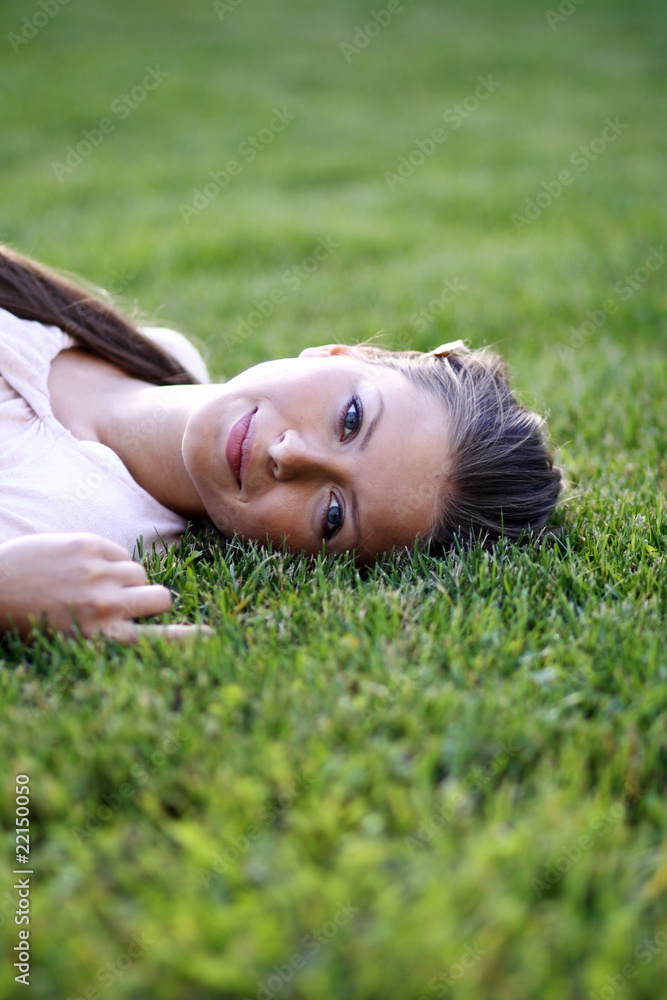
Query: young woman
(108,433)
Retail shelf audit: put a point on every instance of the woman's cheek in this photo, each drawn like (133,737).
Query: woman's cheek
(284,511)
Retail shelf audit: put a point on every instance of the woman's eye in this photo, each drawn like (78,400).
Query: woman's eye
(334,517)
(352,417)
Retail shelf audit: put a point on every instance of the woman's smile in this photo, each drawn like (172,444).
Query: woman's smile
(239,446)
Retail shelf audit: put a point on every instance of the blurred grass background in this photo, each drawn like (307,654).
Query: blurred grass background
(432,741)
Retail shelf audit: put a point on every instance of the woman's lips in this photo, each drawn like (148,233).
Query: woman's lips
(239,446)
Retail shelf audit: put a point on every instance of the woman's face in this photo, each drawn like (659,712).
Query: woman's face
(321,448)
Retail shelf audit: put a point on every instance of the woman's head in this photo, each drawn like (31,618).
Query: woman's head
(451,452)
(361,448)
(325,448)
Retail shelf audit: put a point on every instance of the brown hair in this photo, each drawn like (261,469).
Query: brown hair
(31,291)
(501,479)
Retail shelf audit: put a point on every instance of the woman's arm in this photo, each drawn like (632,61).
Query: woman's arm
(80,579)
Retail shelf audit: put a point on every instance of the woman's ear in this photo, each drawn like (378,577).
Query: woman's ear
(325,351)
(329,350)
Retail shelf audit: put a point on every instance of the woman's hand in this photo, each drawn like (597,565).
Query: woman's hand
(80,579)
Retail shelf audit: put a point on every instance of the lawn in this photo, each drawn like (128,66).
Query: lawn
(444,776)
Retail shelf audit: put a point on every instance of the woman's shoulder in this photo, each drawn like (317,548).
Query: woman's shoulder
(178,345)
(27,349)
(32,333)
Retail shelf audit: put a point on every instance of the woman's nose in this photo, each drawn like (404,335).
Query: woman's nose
(294,455)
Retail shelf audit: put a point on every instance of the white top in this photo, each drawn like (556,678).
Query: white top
(49,479)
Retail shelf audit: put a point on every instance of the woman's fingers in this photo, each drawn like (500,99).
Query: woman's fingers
(127,574)
(97,545)
(129,633)
(80,580)
(151,599)
(175,633)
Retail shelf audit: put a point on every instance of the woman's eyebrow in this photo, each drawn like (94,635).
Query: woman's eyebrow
(373,424)
(353,496)
(354,503)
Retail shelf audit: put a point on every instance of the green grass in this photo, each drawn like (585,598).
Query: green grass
(428,743)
